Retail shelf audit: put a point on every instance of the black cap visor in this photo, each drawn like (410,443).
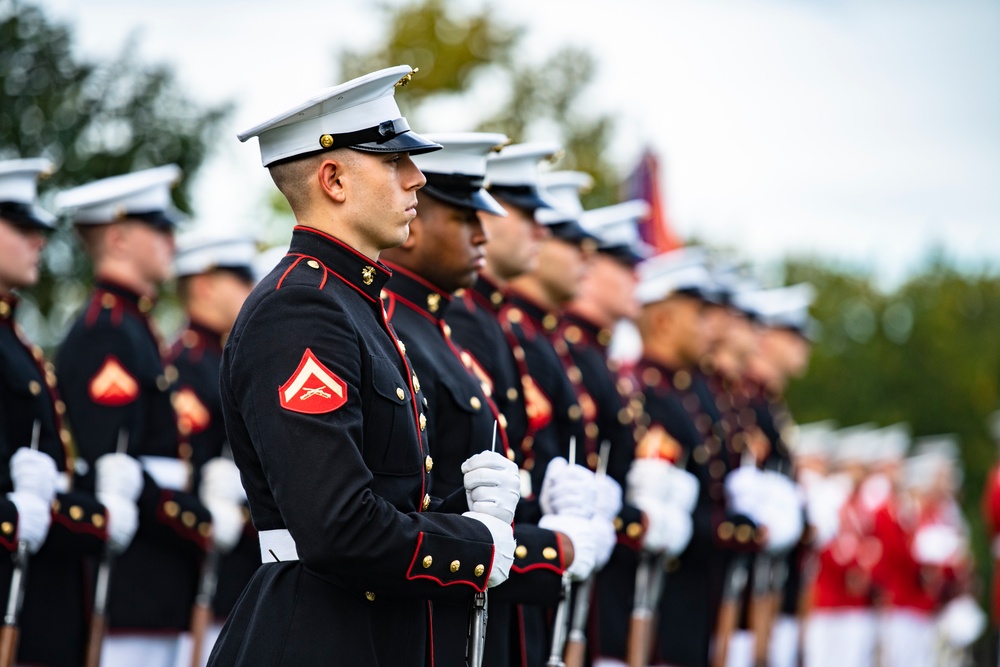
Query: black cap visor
(27,216)
(570,230)
(524,197)
(463,192)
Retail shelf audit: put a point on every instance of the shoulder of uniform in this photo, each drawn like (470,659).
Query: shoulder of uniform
(304,272)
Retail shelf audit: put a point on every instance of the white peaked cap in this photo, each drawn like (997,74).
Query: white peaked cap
(517,164)
(781,307)
(202,251)
(854,444)
(681,270)
(117,197)
(455,174)
(322,120)
(19,191)
(562,189)
(891,443)
(814,439)
(618,225)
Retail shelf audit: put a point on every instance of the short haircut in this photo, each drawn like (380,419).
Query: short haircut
(292,176)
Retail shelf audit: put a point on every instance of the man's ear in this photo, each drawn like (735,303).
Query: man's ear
(332,176)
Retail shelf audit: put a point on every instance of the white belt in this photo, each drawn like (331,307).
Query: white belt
(168,473)
(277,546)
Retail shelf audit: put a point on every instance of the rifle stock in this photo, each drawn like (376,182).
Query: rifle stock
(729,610)
(576,641)
(9,634)
(94,640)
(640,627)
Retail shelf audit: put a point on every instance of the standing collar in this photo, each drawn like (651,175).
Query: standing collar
(489,293)
(578,329)
(197,332)
(363,273)
(418,293)
(105,286)
(541,316)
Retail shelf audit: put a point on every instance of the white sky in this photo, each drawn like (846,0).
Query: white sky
(863,130)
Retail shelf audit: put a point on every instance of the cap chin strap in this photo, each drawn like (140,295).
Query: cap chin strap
(379,134)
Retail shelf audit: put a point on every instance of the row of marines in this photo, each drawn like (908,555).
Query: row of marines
(445,304)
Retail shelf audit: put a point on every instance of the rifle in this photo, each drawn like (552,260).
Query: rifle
(98,619)
(576,642)
(648,586)
(559,626)
(729,610)
(201,614)
(761,606)
(479,616)
(10,633)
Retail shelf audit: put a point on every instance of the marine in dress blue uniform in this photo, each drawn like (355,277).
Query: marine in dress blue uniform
(324,415)
(441,256)
(118,391)
(56,586)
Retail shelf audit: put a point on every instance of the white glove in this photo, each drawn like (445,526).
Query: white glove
(581,534)
(123,520)
(568,489)
(119,475)
(780,511)
(937,544)
(745,491)
(503,546)
(227,523)
(669,527)
(961,622)
(34,516)
(492,485)
(34,472)
(683,488)
(605,538)
(220,480)
(649,478)
(609,497)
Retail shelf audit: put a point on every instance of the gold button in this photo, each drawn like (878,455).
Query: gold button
(651,376)
(427,502)
(743,533)
(521,551)
(400,393)
(7,527)
(550,321)
(370,595)
(634,530)
(503,421)
(97,520)
(447,331)
(312,264)
(479,570)
(548,553)
(725,531)
(428,561)
(496,298)
(574,375)
(592,430)
(205,529)
(618,523)
(326,140)
(428,464)
(4,309)
(76,512)
(402,347)
(510,454)
(171,509)
(416,383)
(55,505)
(170,372)
(574,412)
(423,422)
(514,315)
(433,302)
(60,408)
(189,519)
(145,304)
(108,301)
(34,388)
(573,334)
(512,394)
(454,566)
(475,402)
(162,383)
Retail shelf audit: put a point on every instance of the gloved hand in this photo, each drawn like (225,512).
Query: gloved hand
(780,510)
(608,502)
(492,485)
(568,489)
(119,475)
(668,529)
(503,546)
(220,480)
(123,520)
(227,523)
(745,491)
(34,472)
(34,516)
(581,534)
(649,478)
(683,488)
(605,538)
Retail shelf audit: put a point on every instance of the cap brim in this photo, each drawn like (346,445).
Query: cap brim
(157,219)
(571,231)
(524,197)
(478,199)
(27,216)
(405,142)
(625,254)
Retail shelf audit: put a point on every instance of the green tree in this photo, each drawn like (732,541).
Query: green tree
(93,120)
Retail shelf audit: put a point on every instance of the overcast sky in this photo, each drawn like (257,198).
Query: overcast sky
(863,130)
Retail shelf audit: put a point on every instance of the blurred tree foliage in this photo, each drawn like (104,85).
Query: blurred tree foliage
(93,120)
(455,51)
(925,353)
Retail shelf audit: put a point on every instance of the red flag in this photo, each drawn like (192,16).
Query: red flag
(644,183)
